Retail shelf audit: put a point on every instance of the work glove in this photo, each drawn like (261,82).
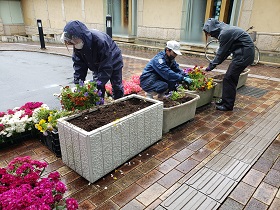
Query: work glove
(208,69)
(187,80)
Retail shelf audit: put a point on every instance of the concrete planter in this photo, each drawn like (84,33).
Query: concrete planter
(94,154)
(179,114)
(219,88)
(205,96)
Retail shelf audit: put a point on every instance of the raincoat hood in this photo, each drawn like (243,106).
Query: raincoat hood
(213,27)
(77,29)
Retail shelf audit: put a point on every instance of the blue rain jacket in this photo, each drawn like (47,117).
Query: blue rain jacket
(100,54)
(160,68)
(233,40)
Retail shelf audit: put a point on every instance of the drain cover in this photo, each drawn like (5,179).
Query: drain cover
(251,91)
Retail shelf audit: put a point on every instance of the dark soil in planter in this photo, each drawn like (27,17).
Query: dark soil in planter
(109,113)
(219,77)
(167,103)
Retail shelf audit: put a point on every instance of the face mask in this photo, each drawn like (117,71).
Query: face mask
(79,46)
(171,57)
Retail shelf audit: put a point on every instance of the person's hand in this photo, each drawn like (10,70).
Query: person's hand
(187,80)
(208,69)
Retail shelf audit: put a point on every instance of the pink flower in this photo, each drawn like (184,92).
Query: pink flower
(71,204)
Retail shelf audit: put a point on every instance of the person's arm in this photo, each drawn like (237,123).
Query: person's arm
(165,72)
(224,51)
(80,68)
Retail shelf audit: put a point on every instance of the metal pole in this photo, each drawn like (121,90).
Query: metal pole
(109,25)
(41,34)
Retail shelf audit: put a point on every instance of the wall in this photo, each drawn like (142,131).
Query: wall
(264,16)
(56,13)
(159,19)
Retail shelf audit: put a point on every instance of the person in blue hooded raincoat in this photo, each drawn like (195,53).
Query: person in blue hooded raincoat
(233,40)
(162,73)
(96,51)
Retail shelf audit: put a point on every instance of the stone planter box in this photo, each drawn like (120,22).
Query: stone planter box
(179,114)
(219,87)
(94,154)
(205,96)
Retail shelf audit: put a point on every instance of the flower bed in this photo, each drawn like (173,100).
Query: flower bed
(22,187)
(17,123)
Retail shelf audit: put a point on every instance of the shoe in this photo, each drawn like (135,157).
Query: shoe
(223,108)
(150,94)
(219,102)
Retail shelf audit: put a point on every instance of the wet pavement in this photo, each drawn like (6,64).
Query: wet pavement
(148,180)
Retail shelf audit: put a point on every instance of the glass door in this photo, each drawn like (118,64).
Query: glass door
(123,14)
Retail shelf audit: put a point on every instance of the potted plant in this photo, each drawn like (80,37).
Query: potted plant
(182,111)
(94,152)
(45,120)
(219,80)
(201,85)
(83,96)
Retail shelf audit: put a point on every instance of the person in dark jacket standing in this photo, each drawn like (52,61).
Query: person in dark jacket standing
(96,51)
(233,40)
(162,72)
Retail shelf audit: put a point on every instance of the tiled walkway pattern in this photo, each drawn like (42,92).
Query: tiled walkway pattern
(209,187)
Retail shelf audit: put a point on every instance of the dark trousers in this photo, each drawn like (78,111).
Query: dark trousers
(229,84)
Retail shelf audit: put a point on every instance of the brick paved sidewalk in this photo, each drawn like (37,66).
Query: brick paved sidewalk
(151,177)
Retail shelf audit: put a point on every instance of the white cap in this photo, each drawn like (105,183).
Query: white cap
(175,46)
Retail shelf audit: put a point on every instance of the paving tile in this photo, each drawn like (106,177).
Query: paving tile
(84,193)
(168,165)
(239,124)
(242,193)
(153,205)
(104,194)
(179,145)
(171,178)
(149,165)
(196,145)
(183,154)
(209,136)
(272,153)
(151,194)
(213,144)
(86,205)
(187,197)
(212,184)
(231,204)
(263,165)
(149,179)
(134,204)
(201,154)
(130,178)
(228,166)
(265,193)
(187,165)
(275,204)
(273,178)
(254,204)
(165,154)
(253,177)
(79,183)
(70,177)
(168,192)
(108,205)
(276,165)
(127,195)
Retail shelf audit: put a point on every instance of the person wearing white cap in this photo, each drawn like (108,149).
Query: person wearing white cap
(162,73)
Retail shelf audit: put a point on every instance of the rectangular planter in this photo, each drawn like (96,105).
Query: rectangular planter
(177,115)
(205,96)
(94,154)
(219,88)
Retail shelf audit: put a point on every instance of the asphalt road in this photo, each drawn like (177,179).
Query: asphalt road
(32,76)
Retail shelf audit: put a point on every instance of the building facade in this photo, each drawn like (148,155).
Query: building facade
(144,20)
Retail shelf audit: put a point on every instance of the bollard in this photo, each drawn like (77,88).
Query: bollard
(41,34)
(109,25)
